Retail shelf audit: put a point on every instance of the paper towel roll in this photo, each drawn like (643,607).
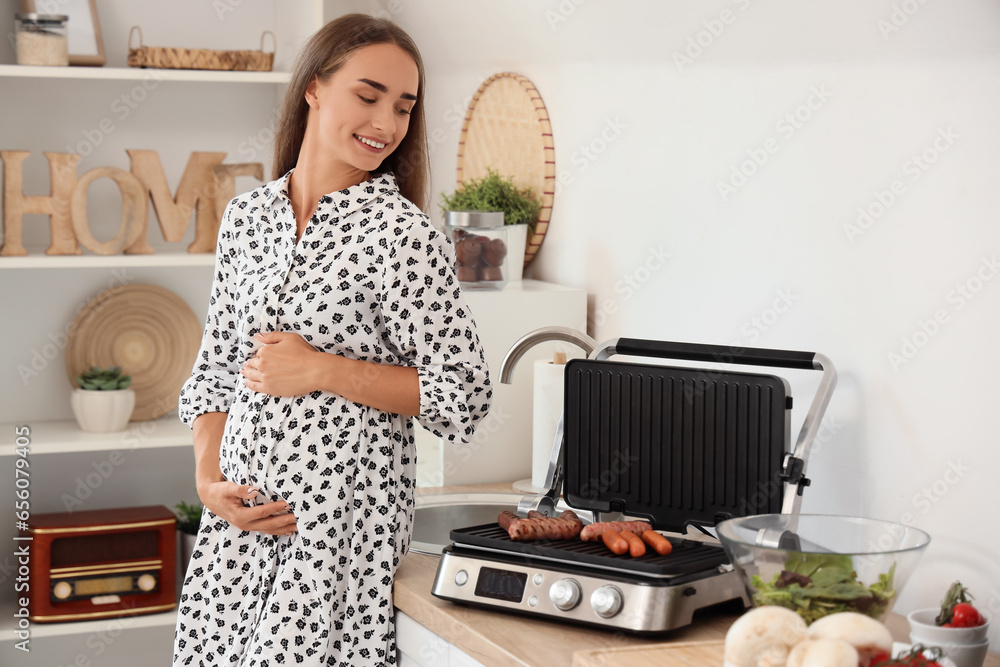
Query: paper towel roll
(547,405)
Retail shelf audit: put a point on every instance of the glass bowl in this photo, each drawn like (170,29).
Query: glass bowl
(818,564)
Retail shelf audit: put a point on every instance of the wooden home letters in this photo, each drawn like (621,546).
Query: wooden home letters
(205,188)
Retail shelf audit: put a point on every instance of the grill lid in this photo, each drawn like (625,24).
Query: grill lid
(674,445)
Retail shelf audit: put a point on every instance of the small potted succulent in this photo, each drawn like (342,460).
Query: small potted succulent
(188,520)
(493,192)
(103,402)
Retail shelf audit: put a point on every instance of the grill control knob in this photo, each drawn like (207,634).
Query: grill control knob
(565,594)
(606,601)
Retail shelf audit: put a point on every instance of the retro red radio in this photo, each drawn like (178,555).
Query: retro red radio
(102,563)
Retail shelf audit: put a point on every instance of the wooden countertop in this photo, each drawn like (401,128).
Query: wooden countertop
(500,639)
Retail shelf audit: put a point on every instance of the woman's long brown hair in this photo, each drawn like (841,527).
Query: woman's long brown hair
(324,54)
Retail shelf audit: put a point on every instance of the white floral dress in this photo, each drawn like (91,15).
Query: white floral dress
(370,279)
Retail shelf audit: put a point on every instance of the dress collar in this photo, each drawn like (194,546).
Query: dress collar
(342,202)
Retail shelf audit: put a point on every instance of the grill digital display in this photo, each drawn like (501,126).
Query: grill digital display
(501,584)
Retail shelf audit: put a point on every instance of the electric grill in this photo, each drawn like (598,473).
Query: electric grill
(676,446)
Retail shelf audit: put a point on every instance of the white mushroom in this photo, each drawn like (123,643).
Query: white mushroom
(862,632)
(823,653)
(762,637)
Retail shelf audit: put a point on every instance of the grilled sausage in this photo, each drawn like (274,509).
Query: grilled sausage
(614,541)
(567,526)
(592,533)
(636,548)
(659,543)
(506,518)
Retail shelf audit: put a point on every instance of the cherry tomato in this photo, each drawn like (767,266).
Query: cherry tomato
(966,616)
(880,657)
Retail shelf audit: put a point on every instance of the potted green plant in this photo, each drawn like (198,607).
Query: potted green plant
(103,401)
(493,192)
(188,520)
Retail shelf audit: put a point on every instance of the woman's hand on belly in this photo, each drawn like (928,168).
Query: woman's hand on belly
(225,500)
(283,366)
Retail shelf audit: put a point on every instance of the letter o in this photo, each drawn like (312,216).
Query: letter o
(920,338)
(133,210)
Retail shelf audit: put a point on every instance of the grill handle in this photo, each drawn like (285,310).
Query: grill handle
(714,353)
(794,469)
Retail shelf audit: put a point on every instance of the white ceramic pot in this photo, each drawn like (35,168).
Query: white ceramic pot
(517,241)
(102,411)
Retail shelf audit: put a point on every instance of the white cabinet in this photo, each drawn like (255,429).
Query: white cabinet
(419,647)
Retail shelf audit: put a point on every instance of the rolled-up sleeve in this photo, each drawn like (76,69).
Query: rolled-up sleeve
(212,384)
(430,323)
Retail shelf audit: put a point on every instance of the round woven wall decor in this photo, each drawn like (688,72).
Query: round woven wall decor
(507,129)
(147,330)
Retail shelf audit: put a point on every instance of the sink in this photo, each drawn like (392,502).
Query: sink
(437,515)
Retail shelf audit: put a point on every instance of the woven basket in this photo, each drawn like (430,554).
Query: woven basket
(507,129)
(176,58)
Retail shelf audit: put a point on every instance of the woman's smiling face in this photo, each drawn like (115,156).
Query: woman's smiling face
(363,110)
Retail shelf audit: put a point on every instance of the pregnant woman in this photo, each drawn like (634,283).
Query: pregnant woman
(335,320)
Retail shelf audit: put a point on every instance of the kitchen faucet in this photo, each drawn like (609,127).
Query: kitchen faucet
(545,502)
(533,338)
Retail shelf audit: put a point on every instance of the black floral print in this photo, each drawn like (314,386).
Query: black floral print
(370,279)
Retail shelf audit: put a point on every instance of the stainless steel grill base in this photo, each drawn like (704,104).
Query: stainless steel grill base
(647,606)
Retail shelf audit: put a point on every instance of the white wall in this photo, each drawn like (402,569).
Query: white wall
(662,136)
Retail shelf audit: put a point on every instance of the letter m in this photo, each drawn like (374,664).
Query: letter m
(196,191)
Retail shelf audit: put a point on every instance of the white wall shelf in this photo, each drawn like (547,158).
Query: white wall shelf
(97,627)
(39,260)
(58,437)
(141,74)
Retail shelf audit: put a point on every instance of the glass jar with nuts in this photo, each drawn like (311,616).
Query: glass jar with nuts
(480,240)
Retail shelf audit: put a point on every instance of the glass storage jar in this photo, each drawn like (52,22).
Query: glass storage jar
(480,240)
(41,39)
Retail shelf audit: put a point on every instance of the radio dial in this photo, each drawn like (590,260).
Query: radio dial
(565,594)
(606,601)
(62,590)
(147,582)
